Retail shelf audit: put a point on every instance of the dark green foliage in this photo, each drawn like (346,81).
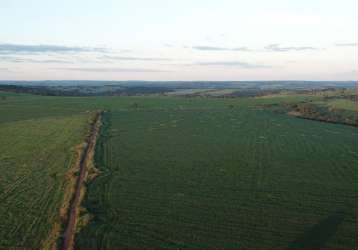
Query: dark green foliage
(85,91)
(222,178)
(313,111)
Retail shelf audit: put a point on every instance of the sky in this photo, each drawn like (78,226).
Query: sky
(178,40)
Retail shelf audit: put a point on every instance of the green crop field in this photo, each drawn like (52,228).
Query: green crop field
(35,156)
(198,173)
(216,177)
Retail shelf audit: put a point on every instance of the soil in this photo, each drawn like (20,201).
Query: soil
(86,159)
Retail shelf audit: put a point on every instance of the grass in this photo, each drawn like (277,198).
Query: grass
(343,104)
(222,178)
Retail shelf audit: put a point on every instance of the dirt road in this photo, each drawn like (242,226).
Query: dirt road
(86,158)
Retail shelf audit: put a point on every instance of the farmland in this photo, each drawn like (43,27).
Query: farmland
(36,154)
(222,178)
(180,172)
(167,125)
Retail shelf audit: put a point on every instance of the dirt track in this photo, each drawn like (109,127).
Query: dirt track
(86,158)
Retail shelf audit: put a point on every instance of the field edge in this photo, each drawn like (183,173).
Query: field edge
(81,171)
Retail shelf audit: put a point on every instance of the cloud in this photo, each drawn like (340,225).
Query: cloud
(112,70)
(30,60)
(347,44)
(212,48)
(278,48)
(238,64)
(271,47)
(8,49)
(126,58)
(125,50)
